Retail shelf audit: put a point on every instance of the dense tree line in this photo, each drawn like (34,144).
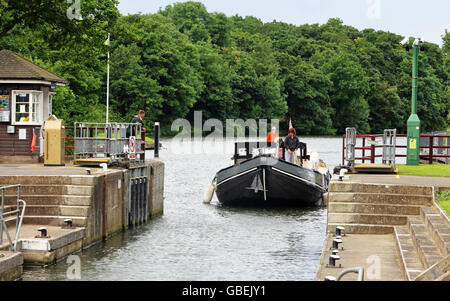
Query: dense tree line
(184,58)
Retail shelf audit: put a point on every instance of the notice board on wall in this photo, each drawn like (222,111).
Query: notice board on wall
(4,108)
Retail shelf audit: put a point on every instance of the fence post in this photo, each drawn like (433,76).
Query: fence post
(372,151)
(364,151)
(343,149)
(430,158)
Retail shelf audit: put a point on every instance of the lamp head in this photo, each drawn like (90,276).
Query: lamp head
(405,41)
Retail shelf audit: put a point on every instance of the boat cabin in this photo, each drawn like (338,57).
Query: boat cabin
(247,150)
(26,92)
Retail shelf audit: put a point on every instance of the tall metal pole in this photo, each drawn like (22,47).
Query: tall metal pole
(415,74)
(413,125)
(107,86)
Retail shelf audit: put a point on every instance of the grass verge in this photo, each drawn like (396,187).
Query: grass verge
(425,170)
(443,199)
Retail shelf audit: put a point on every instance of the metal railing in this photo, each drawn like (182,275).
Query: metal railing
(107,140)
(19,216)
(358,270)
(389,144)
(435,145)
(369,145)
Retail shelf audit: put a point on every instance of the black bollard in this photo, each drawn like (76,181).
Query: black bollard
(332,261)
(156,139)
(339,231)
(69,224)
(335,245)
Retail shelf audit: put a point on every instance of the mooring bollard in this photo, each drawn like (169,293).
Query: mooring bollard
(156,139)
(340,231)
(43,234)
(335,245)
(332,261)
(69,224)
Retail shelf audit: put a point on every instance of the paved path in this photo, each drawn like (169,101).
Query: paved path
(41,170)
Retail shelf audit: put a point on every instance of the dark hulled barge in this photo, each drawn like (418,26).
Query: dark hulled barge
(259,177)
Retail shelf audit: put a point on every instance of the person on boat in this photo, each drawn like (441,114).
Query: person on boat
(291,144)
(272,135)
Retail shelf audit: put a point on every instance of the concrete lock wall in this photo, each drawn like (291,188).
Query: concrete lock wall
(99,202)
(156,183)
(106,211)
(111,205)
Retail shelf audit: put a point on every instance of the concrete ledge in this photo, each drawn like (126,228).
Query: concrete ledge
(338,186)
(52,189)
(54,242)
(361,228)
(46,258)
(378,198)
(409,259)
(369,208)
(10,265)
(365,218)
(439,271)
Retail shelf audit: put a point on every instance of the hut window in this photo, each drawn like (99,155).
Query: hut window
(27,107)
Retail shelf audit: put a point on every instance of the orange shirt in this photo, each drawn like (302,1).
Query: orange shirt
(271,138)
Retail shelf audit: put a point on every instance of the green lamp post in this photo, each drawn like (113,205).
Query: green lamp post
(413,124)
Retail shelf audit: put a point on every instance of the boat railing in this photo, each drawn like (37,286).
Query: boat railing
(248,149)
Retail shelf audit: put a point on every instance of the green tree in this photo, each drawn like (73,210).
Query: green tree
(350,86)
(307,90)
(35,13)
(157,71)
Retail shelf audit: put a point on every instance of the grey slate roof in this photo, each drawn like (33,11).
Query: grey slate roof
(13,66)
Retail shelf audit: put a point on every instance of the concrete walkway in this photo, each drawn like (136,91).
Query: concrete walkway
(41,170)
(373,208)
(377,254)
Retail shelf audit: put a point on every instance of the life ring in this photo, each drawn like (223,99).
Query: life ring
(33,143)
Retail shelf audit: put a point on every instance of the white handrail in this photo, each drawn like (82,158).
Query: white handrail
(19,219)
(20,224)
(359,271)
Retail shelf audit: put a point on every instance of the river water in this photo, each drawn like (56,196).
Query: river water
(195,241)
